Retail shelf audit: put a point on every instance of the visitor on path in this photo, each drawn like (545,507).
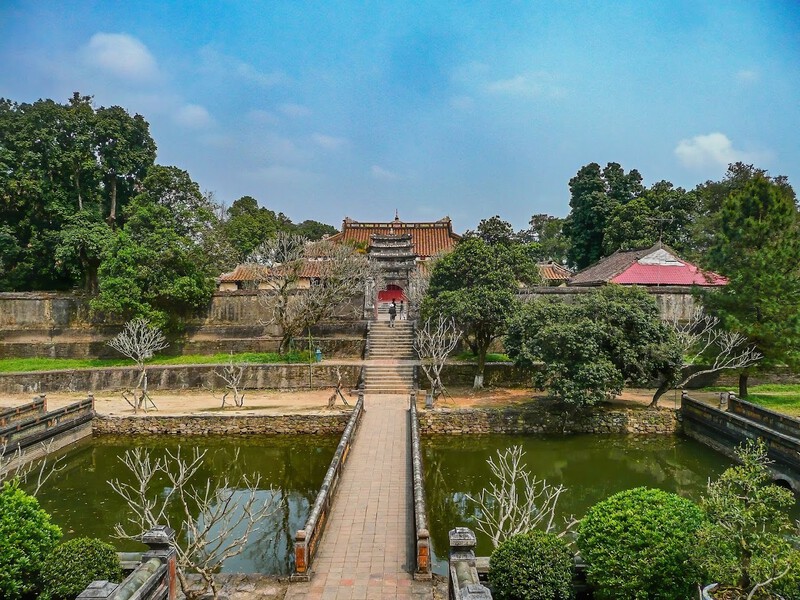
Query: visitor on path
(392,313)
(400,312)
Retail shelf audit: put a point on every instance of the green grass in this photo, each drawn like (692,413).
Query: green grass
(491,357)
(8,365)
(779,397)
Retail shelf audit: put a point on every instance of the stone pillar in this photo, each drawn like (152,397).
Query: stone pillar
(160,540)
(464,582)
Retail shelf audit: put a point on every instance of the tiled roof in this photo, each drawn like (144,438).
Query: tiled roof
(628,267)
(252,272)
(428,239)
(551,271)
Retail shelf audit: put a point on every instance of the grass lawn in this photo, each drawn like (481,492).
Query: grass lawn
(490,357)
(783,398)
(8,365)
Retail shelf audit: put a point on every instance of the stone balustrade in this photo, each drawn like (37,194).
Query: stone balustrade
(464,582)
(307,539)
(423,541)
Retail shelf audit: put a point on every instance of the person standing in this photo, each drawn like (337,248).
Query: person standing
(392,313)
(400,311)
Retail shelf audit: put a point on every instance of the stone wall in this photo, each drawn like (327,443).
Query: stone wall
(315,423)
(176,377)
(537,418)
(462,374)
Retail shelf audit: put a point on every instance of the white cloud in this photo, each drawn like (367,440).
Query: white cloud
(747,76)
(122,56)
(221,65)
(294,111)
(713,149)
(530,85)
(383,174)
(329,142)
(193,116)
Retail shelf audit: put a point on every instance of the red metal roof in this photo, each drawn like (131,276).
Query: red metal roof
(683,274)
(428,239)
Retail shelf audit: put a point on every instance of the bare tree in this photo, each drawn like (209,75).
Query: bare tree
(516,501)
(434,342)
(139,341)
(233,375)
(337,392)
(215,517)
(337,274)
(702,341)
(21,466)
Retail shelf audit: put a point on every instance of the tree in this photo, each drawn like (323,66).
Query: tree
(212,519)
(475,285)
(585,352)
(547,231)
(594,193)
(701,341)
(157,266)
(757,248)
(139,341)
(336,272)
(233,376)
(660,213)
(434,342)
(516,501)
(80,248)
(248,225)
(314,230)
(745,543)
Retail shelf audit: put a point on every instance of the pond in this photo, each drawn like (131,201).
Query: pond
(591,467)
(82,503)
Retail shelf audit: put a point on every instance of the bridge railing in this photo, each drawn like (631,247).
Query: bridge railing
(155,578)
(306,540)
(464,582)
(9,416)
(423,541)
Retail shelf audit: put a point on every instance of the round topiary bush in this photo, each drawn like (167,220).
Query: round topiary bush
(531,566)
(74,564)
(636,545)
(26,538)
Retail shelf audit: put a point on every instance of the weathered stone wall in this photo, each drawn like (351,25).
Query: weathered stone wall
(457,374)
(674,301)
(314,423)
(536,418)
(176,377)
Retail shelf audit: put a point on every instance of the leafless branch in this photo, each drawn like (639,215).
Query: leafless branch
(20,466)
(434,342)
(216,518)
(233,375)
(139,341)
(516,501)
(418,283)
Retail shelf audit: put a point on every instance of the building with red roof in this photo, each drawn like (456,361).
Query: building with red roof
(658,265)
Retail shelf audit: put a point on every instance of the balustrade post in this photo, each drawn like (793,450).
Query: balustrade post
(161,541)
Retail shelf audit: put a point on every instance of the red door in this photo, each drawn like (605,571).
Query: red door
(392,292)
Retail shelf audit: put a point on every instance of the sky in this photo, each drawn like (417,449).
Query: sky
(323,110)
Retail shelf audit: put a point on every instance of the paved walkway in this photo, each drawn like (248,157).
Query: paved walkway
(367,550)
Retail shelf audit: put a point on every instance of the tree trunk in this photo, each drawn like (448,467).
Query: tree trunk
(743,384)
(663,388)
(78,185)
(112,212)
(478,382)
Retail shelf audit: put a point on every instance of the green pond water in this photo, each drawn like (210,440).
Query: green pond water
(591,467)
(82,503)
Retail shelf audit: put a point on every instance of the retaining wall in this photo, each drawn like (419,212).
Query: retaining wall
(188,425)
(538,418)
(176,377)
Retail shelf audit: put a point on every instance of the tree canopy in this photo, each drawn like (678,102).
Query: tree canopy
(757,247)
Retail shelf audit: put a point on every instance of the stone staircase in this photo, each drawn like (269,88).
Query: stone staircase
(390,369)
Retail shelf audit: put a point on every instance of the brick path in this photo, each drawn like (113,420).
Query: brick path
(367,550)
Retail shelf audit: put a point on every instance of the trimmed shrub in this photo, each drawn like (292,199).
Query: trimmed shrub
(26,538)
(75,564)
(636,545)
(531,566)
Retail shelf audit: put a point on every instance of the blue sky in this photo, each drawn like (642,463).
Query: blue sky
(466,109)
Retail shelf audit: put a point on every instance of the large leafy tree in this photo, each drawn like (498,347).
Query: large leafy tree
(475,285)
(156,266)
(660,213)
(547,231)
(757,247)
(247,225)
(594,192)
(586,351)
(60,167)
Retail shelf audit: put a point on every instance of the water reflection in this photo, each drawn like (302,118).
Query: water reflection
(591,467)
(291,468)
